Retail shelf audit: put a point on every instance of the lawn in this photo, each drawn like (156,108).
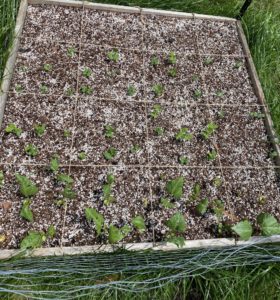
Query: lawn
(262,27)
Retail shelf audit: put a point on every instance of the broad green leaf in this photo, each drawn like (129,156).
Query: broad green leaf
(26,187)
(201,208)
(175,187)
(110,153)
(96,217)
(139,223)
(115,234)
(12,128)
(179,241)
(51,232)
(177,223)
(26,212)
(64,178)
(243,229)
(268,224)
(126,229)
(34,239)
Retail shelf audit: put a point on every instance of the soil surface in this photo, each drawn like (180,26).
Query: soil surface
(120,104)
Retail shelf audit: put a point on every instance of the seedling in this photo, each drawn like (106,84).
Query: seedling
(195,77)
(40,129)
(54,164)
(176,225)
(31,150)
(113,55)
(70,92)
(183,160)
(2,178)
(209,130)
(68,181)
(66,133)
(201,208)
(155,61)
(262,200)
(110,153)
(86,90)
(18,88)
(268,224)
(116,234)
(82,156)
(172,72)
(257,115)
(273,154)
(244,229)
(47,67)
(43,89)
(86,72)
(172,58)
(12,128)
(159,131)
(238,64)
(109,131)
(212,155)
(196,190)
(157,109)
(208,61)
(183,135)
(139,223)
(92,215)
(68,193)
(175,187)
(135,149)
(71,52)
(26,212)
(34,239)
(221,114)
(197,93)
(60,202)
(131,90)
(65,179)
(26,187)
(167,203)
(217,182)
(219,93)
(158,89)
(108,198)
(218,208)
(51,232)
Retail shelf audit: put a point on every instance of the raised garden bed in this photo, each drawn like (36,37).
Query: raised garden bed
(133,126)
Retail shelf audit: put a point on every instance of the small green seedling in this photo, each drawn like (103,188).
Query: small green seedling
(157,109)
(197,93)
(51,232)
(172,58)
(60,202)
(176,225)
(221,114)
(219,93)
(47,67)
(66,133)
(86,90)
(2,178)
(110,153)
(195,78)
(54,164)
(158,89)
(71,52)
(202,206)
(92,215)
(65,179)
(208,61)
(31,150)
(218,208)
(155,61)
(18,88)
(139,223)
(209,130)
(135,149)
(183,160)
(262,200)
(244,229)
(167,203)
(108,198)
(257,115)
(44,89)
(238,64)
(183,135)
(109,131)
(212,155)
(116,234)
(113,55)
(86,72)
(217,182)
(131,90)
(196,190)
(12,128)
(172,72)
(26,187)
(70,92)
(40,129)
(159,131)
(34,239)
(175,187)
(268,224)
(68,193)
(26,212)
(82,156)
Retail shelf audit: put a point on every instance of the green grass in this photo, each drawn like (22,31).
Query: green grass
(262,28)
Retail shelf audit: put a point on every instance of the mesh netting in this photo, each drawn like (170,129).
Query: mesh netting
(73,277)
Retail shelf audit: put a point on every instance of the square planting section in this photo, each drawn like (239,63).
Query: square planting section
(131,126)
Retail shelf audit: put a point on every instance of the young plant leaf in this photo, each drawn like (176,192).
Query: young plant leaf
(2,178)
(109,131)
(183,135)
(139,223)
(166,203)
(110,153)
(34,239)
(54,164)
(172,58)
(82,156)
(172,72)
(113,55)
(158,89)
(110,178)
(12,128)
(175,187)
(115,234)
(26,212)
(131,90)
(243,229)
(71,52)
(68,193)
(202,206)
(209,130)
(268,224)
(155,61)
(64,178)
(86,90)
(212,155)
(26,187)
(195,192)
(44,89)
(179,241)
(157,109)
(159,131)
(86,72)
(47,67)
(183,160)
(177,223)
(51,232)
(40,129)
(93,216)
(135,149)
(31,150)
